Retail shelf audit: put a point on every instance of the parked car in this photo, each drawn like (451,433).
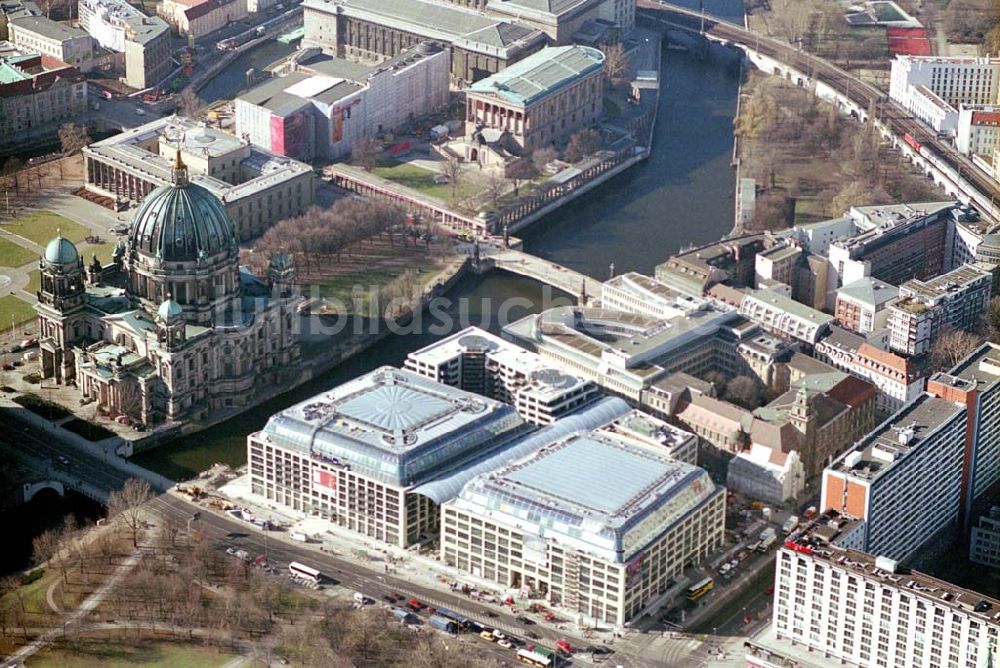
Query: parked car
(487,635)
(29,342)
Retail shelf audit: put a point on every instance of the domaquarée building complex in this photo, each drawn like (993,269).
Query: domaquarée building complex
(592,512)
(595,522)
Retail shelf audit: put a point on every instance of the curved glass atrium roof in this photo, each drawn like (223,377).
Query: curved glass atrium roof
(591,491)
(395,426)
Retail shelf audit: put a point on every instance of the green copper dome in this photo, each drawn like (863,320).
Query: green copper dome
(181,222)
(61,251)
(170,311)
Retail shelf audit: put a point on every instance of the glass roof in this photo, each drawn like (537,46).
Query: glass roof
(395,408)
(583,466)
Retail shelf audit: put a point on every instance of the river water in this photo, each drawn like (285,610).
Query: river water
(682,195)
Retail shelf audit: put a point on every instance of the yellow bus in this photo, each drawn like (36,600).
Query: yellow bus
(699,589)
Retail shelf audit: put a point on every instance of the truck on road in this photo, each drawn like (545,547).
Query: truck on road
(790,525)
(768,537)
(443,624)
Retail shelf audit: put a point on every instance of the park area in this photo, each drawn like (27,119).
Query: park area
(355,252)
(810,162)
(413,176)
(15,311)
(23,242)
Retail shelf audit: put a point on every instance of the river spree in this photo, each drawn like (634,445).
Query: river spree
(681,195)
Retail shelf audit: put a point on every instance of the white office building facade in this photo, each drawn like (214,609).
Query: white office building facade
(855,609)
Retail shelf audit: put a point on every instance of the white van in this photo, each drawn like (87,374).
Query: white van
(299,536)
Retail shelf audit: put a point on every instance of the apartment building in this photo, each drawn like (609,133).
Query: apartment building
(896,378)
(933,87)
(897,243)
(978,130)
(984,543)
(956,299)
(779,314)
(476,361)
(848,607)
(61,41)
(38,93)
(145,40)
(904,479)
(694,271)
(924,468)
(201,17)
(861,305)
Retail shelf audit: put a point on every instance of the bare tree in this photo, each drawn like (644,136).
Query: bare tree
(582,144)
(365,153)
(745,391)
(991,321)
(494,188)
(125,505)
(129,398)
(616,64)
(73,137)
(44,546)
(521,170)
(951,347)
(452,168)
(542,157)
(188,103)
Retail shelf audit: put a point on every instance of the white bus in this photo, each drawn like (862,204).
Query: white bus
(303,572)
(533,658)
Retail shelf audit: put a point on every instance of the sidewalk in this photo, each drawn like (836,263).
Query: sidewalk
(101,450)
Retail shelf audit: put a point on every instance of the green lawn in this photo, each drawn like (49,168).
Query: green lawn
(12,255)
(42,226)
(104,653)
(414,177)
(32,595)
(20,309)
(340,287)
(34,281)
(809,210)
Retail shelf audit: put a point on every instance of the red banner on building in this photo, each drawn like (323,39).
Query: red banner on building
(325,479)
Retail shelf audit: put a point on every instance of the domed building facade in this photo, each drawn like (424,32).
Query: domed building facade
(173,330)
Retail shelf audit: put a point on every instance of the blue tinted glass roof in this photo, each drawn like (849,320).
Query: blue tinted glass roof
(395,408)
(592,474)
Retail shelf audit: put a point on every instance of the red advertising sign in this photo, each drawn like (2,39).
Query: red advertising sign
(325,479)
